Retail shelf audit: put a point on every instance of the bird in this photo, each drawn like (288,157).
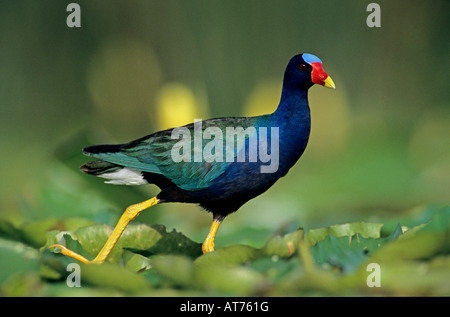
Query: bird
(219,164)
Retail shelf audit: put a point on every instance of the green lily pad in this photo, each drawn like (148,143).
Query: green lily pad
(139,238)
(365,229)
(17,258)
(347,253)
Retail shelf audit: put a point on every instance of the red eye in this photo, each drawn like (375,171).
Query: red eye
(303,66)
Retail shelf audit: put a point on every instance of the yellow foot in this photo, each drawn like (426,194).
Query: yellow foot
(208,244)
(129,214)
(70,253)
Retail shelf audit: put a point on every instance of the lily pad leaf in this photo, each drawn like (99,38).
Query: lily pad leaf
(365,229)
(347,253)
(138,238)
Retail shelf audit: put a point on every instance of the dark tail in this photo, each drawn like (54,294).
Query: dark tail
(99,167)
(102,148)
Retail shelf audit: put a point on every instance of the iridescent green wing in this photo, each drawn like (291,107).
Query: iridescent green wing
(191,156)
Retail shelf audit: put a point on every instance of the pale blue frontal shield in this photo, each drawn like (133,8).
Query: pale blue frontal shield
(310,58)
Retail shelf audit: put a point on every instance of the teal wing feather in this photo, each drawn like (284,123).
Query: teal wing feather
(153,154)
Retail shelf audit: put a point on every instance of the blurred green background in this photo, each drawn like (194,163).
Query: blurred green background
(379,147)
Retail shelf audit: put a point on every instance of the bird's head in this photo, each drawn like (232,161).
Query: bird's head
(306,69)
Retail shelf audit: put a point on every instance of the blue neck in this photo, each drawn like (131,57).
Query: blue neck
(293,107)
(294,121)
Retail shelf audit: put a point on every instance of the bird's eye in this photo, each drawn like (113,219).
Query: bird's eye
(302,66)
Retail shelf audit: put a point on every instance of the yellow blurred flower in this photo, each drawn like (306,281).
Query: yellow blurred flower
(176,105)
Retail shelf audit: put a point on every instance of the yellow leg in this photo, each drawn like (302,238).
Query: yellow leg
(208,244)
(129,214)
